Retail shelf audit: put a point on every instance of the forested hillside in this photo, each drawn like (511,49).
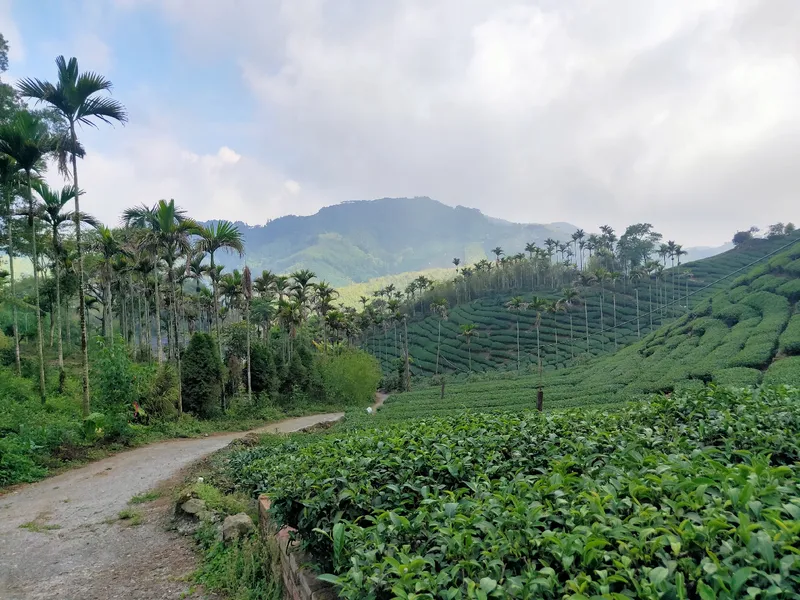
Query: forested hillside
(744,335)
(585,317)
(356,241)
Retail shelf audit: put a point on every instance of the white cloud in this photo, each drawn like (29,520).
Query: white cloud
(151,165)
(16,51)
(682,113)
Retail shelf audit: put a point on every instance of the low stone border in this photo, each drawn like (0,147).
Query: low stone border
(299,582)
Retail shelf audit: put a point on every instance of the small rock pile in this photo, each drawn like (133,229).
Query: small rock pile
(191,512)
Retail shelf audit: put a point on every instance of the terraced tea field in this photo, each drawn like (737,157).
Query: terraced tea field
(611,316)
(746,335)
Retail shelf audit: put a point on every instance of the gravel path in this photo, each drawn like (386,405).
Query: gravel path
(73,548)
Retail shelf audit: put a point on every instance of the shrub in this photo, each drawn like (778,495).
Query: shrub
(161,399)
(349,377)
(530,504)
(112,373)
(263,372)
(200,376)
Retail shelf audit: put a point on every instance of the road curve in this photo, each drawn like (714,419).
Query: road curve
(72,549)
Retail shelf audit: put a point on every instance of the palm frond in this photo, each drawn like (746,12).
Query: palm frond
(104,108)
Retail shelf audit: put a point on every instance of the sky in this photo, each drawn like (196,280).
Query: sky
(681,113)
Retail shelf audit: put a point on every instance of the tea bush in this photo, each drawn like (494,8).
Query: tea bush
(697,495)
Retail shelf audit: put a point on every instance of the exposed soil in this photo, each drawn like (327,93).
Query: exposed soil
(62,538)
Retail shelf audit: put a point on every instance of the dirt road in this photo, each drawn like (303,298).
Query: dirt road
(59,538)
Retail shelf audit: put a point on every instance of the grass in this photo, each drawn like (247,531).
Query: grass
(39,527)
(146,497)
(131,517)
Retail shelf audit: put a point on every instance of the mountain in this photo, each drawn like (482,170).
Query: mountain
(356,241)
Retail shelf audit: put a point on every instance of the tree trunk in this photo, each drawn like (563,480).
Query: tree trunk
(638,330)
(249,380)
(57,274)
(108,316)
(157,302)
(586,321)
(215,291)
(408,370)
(39,340)
(517,343)
(614,297)
(13,284)
(176,349)
(571,338)
(81,282)
(438,345)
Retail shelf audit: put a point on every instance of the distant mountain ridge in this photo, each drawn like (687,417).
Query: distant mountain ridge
(358,240)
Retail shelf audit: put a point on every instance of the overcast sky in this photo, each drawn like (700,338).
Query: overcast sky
(683,113)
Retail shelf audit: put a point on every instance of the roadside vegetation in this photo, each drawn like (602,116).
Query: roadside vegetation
(118,336)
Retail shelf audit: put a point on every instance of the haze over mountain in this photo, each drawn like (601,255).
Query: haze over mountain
(359,240)
(356,241)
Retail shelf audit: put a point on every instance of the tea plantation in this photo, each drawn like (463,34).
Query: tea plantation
(692,496)
(611,313)
(746,335)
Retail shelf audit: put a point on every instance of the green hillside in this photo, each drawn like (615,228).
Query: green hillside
(357,241)
(563,335)
(745,335)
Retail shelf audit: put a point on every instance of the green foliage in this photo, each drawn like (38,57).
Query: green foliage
(201,375)
(349,377)
(264,373)
(248,569)
(694,494)
(563,336)
(161,399)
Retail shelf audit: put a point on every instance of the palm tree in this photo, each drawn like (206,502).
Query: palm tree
(517,304)
(440,308)
(218,236)
(554,308)
(577,238)
(467,331)
(75,97)
(247,285)
(539,305)
(456,262)
(568,299)
(9,170)
(108,247)
(26,140)
(498,252)
(53,203)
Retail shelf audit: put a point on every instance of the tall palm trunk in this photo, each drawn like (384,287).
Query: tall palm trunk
(249,380)
(614,297)
(586,322)
(177,350)
(157,302)
(57,275)
(108,316)
(81,282)
(39,340)
(13,281)
(438,344)
(215,290)
(571,338)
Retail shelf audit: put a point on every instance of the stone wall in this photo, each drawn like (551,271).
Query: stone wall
(299,582)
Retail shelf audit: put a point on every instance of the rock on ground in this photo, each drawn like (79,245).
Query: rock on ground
(236,526)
